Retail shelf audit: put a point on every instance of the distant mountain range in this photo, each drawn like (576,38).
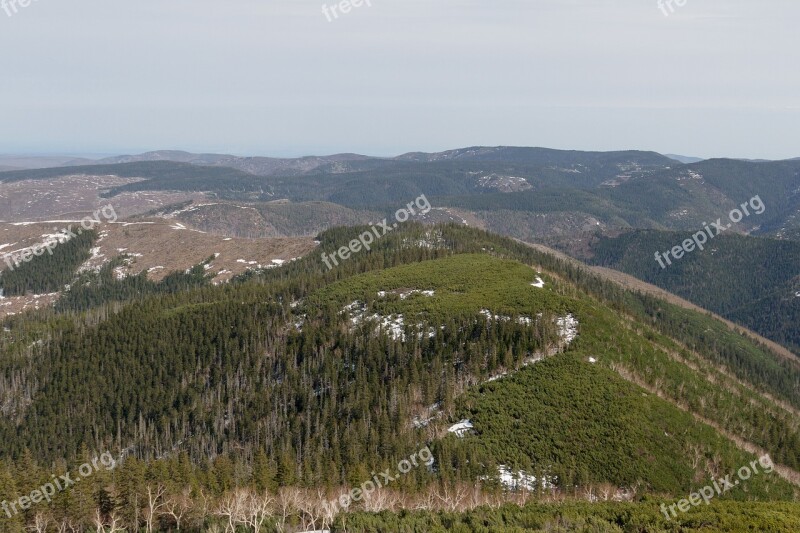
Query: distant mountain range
(684,158)
(562,198)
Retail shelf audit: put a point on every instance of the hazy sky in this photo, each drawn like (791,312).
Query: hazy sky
(275,77)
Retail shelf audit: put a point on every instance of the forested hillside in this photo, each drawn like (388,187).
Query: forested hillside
(754,282)
(304,379)
(47,269)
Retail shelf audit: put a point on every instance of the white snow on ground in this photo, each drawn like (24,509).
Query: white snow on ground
(126,224)
(797,294)
(405,294)
(433,239)
(431,413)
(523,320)
(592,360)
(462,429)
(521,480)
(539,283)
(95,255)
(568,331)
(567,328)
(188,209)
(178,225)
(392,325)
(491,316)
(6,245)
(353,306)
(46,222)
(278,261)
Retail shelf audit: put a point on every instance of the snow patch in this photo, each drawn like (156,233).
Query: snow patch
(522,320)
(567,328)
(405,294)
(520,480)
(392,325)
(462,429)
(539,283)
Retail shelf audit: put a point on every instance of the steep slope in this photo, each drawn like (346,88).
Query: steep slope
(754,282)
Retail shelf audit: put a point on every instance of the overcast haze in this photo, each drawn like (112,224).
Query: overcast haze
(274,77)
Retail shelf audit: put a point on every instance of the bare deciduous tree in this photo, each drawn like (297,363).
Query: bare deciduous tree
(288,501)
(451,498)
(178,506)
(40,522)
(155,503)
(233,507)
(258,509)
(114,523)
(311,510)
(381,500)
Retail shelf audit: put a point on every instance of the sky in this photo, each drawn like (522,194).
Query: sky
(708,78)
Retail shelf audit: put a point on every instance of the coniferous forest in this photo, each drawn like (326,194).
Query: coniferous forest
(253,405)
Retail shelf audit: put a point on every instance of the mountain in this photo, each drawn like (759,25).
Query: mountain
(261,166)
(684,159)
(524,190)
(565,199)
(754,282)
(21,162)
(487,356)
